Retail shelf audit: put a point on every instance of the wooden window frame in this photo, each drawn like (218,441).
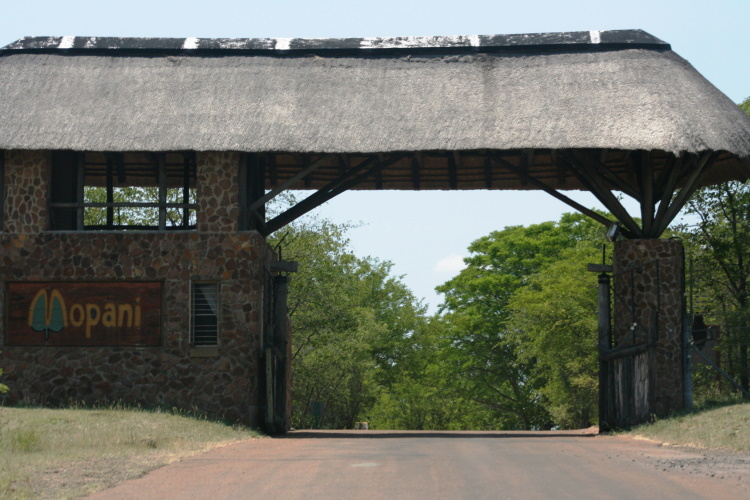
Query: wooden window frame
(114,167)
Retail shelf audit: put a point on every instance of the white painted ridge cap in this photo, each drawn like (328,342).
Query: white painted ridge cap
(618,38)
(190,43)
(66,42)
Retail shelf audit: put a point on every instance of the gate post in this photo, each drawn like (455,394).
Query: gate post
(606,400)
(649,308)
(278,348)
(605,344)
(283,346)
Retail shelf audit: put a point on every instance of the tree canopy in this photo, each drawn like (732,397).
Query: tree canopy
(364,346)
(525,294)
(351,324)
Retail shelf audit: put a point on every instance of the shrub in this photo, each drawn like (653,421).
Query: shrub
(3,388)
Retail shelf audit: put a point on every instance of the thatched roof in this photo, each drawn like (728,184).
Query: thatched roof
(525,96)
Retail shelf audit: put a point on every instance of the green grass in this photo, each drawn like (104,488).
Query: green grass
(722,427)
(68,453)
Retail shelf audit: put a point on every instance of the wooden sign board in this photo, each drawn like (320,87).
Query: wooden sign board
(83,314)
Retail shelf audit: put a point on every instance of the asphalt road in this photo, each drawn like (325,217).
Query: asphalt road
(450,465)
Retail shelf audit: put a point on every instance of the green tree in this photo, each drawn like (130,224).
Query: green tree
(419,394)
(489,360)
(3,388)
(350,322)
(718,246)
(136,216)
(339,373)
(554,322)
(745,105)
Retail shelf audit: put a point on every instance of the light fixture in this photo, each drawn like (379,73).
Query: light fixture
(613,232)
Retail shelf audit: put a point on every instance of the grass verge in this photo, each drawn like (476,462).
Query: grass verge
(724,427)
(68,453)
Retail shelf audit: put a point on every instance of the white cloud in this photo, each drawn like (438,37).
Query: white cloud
(450,265)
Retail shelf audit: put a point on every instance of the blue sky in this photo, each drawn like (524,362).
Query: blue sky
(423,233)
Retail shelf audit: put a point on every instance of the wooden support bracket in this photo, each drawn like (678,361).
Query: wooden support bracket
(551,191)
(597,185)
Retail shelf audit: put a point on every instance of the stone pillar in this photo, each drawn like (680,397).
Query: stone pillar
(25,209)
(218,194)
(649,292)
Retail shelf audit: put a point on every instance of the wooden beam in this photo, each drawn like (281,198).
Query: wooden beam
(595,164)
(80,189)
(252,179)
(331,190)
(603,154)
(661,179)
(645,175)
(253,188)
(604,195)
(487,171)
(272,169)
(258,175)
(186,167)
(527,161)
(243,196)
(553,192)
(110,189)
(689,187)
(259,223)
(307,180)
(668,187)
(121,170)
(454,163)
(562,177)
(345,163)
(284,185)
(379,174)
(161,162)
(417,163)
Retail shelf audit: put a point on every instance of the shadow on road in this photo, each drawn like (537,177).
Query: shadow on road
(372,434)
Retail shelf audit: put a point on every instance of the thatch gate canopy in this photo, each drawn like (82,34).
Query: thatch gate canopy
(599,110)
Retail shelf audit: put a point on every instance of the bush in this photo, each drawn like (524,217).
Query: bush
(3,388)
(24,441)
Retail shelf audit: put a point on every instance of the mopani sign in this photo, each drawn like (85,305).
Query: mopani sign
(97,313)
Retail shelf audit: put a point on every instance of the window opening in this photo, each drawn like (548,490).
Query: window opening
(123,191)
(204,325)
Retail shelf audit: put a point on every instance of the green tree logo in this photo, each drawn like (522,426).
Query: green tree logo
(47,312)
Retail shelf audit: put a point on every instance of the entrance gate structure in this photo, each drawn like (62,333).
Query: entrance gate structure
(220,127)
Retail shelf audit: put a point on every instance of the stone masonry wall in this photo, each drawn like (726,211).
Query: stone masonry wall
(217,179)
(648,279)
(26,178)
(223,383)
